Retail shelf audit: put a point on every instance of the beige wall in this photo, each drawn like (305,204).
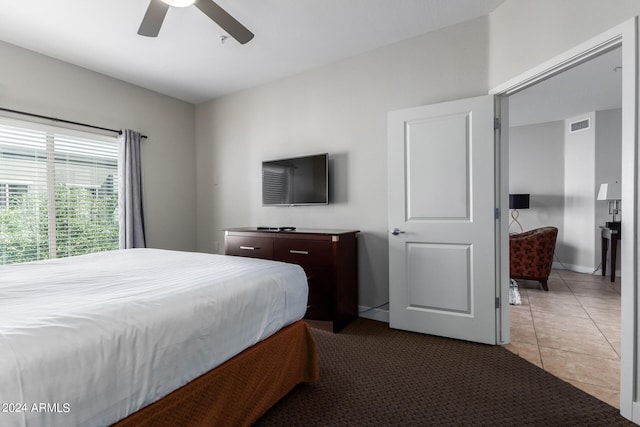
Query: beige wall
(340,109)
(38,84)
(202,163)
(526,33)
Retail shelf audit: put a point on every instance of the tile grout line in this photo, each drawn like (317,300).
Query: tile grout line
(583,309)
(595,323)
(535,331)
(590,317)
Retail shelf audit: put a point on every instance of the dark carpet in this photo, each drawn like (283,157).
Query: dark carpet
(371,375)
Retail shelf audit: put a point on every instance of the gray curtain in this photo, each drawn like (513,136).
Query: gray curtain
(130,191)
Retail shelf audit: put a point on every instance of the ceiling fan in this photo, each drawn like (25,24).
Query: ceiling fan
(157,10)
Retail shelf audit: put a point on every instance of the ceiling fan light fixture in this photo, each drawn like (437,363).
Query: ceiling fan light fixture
(157,10)
(179,3)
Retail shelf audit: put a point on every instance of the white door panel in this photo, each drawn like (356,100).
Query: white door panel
(441,200)
(447,267)
(440,193)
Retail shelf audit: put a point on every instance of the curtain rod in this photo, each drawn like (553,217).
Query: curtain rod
(119,132)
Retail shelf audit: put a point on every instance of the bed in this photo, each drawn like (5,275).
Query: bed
(150,337)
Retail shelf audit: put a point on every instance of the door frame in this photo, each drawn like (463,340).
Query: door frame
(624,35)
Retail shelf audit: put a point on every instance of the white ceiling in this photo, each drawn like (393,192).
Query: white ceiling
(592,86)
(187,60)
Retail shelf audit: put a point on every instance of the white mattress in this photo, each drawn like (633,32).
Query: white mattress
(88,340)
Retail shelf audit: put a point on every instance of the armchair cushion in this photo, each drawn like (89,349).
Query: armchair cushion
(531,254)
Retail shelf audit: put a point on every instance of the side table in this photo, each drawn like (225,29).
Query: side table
(613,235)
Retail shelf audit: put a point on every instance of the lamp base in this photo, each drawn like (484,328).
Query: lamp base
(613,225)
(514,218)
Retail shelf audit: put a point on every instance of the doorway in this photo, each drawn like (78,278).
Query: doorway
(572,331)
(591,50)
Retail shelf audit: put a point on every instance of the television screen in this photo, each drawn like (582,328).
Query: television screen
(296,181)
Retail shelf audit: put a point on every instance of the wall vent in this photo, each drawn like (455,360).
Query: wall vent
(579,125)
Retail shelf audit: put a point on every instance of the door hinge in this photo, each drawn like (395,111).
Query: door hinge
(497,213)
(497,302)
(496,123)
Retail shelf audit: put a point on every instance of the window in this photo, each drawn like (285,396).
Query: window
(58,192)
(10,194)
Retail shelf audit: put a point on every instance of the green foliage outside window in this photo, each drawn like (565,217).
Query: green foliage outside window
(85,222)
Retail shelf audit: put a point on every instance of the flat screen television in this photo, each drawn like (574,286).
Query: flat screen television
(296,181)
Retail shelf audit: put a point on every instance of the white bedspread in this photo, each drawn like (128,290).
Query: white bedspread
(88,340)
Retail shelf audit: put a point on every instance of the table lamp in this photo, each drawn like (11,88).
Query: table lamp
(517,201)
(612,193)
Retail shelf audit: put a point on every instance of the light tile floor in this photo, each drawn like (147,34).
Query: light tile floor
(572,331)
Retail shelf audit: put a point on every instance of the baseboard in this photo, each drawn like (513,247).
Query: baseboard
(580,268)
(572,267)
(379,314)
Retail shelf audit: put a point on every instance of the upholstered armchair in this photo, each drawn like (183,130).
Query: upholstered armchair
(531,254)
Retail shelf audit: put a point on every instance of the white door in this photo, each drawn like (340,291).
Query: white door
(442,251)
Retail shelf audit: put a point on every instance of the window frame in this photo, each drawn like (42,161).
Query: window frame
(56,160)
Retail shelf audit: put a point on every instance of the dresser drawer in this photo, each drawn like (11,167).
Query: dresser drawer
(249,246)
(307,253)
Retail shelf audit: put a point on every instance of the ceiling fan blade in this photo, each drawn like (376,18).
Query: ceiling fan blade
(224,20)
(153,18)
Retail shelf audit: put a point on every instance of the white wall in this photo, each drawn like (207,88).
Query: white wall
(340,109)
(553,166)
(578,251)
(39,84)
(536,167)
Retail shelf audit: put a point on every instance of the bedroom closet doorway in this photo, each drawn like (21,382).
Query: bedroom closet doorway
(623,37)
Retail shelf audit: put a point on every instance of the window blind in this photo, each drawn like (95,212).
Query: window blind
(58,192)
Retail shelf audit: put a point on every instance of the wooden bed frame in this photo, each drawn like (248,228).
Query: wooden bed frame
(242,389)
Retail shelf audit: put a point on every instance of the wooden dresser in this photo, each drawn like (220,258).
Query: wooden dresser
(329,257)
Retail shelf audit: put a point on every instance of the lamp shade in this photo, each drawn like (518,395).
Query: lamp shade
(518,201)
(610,191)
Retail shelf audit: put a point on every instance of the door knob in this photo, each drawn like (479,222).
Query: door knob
(396,231)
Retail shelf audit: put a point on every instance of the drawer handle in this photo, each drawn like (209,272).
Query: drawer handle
(295,251)
(248,248)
